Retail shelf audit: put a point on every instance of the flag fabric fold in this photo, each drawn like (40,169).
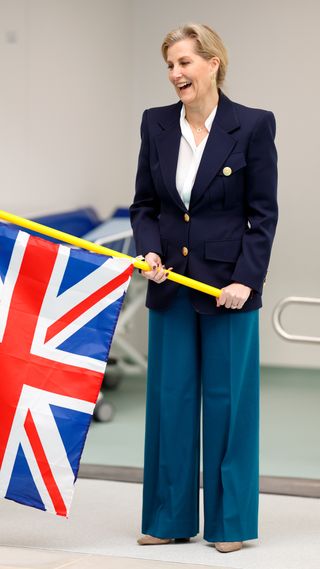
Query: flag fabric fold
(58,311)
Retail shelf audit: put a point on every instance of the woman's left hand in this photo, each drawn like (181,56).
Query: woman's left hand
(234,296)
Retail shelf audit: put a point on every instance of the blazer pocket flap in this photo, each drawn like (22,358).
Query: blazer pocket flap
(234,163)
(228,251)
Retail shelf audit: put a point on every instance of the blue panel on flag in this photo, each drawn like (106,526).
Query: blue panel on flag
(73,426)
(6,247)
(22,488)
(94,338)
(80,265)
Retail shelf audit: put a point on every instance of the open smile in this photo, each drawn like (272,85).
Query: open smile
(184,86)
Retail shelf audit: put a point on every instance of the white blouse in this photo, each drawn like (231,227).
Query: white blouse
(189,156)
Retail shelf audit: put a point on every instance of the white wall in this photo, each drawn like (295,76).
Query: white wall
(73,86)
(64,84)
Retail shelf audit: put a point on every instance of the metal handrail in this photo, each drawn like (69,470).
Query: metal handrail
(277,324)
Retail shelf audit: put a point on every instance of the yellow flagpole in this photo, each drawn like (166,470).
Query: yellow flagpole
(82,243)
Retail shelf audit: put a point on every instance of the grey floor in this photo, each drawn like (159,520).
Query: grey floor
(289,431)
(105,521)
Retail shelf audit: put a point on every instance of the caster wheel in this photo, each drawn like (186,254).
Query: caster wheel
(113,374)
(103,411)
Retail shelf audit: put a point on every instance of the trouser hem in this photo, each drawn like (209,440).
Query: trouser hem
(167,534)
(222,538)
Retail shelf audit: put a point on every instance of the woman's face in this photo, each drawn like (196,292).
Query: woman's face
(190,74)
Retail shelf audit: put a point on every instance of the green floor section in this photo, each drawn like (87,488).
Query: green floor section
(290,422)
(120,442)
(289,431)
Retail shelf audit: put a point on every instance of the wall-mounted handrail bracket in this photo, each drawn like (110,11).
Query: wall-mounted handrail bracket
(277,323)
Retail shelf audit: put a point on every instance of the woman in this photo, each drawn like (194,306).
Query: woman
(205,204)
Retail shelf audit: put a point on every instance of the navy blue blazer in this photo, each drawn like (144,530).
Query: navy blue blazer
(228,233)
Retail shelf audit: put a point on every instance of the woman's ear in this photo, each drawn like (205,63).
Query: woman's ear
(214,64)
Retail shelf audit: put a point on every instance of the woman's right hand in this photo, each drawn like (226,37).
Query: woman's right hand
(159,273)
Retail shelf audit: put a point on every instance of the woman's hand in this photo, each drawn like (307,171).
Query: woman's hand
(234,296)
(159,273)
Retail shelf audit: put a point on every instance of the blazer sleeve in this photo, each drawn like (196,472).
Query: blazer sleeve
(144,211)
(261,202)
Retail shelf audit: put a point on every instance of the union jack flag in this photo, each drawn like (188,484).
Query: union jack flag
(58,311)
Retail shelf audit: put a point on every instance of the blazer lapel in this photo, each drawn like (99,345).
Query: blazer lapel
(168,144)
(218,147)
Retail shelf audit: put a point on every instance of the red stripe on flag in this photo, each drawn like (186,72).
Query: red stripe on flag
(90,301)
(44,466)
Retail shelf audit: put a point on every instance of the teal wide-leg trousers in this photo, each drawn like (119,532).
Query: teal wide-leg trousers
(194,357)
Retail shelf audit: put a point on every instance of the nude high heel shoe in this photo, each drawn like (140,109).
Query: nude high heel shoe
(228,546)
(151,540)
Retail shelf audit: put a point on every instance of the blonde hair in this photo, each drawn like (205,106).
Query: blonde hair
(208,44)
